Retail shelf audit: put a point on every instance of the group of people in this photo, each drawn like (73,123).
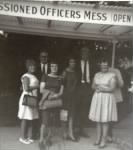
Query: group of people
(74,86)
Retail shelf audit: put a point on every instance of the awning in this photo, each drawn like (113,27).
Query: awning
(17,22)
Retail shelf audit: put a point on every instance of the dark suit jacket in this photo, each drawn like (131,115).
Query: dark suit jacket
(84,91)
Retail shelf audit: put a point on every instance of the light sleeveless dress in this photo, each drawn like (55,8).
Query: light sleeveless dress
(26,112)
(103,106)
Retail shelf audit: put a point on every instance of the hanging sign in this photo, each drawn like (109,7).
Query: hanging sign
(67,12)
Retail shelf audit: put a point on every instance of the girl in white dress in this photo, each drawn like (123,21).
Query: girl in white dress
(27,114)
(103,107)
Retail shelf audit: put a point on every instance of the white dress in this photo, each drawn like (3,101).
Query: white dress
(103,106)
(26,112)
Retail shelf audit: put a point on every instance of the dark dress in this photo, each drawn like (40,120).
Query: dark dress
(53,84)
(70,86)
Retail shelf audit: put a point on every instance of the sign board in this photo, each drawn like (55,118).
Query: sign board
(67,12)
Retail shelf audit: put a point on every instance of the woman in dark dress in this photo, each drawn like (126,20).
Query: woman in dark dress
(50,83)
(70,85)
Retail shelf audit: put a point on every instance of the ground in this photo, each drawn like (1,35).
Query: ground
(10,131)
(9,136)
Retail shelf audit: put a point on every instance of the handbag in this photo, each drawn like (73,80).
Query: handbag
(50,103)
(53,103)
(30,101)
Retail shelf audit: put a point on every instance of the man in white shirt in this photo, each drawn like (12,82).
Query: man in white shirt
(43,66)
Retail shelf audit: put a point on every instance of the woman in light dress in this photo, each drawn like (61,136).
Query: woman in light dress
(27,114)
(103,108)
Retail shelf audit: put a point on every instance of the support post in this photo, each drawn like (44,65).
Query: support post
(113,53)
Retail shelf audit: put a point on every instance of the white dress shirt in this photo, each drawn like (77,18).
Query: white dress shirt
(44,66)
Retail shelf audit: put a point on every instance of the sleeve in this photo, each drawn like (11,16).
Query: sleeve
(25,83)
(119,78)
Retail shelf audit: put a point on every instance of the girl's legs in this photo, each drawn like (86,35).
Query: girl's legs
(70,128)
(35,129)
(110,132)
(48,138)
(104,135)
(99,133)
(24,128)
(43,133)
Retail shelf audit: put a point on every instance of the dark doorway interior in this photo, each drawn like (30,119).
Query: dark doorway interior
(16,48)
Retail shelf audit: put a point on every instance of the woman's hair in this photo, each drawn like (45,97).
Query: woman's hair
(53,62)
(30,62)
(104,60)
(71,58)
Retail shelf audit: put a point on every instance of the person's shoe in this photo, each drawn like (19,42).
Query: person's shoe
(24,141)
(70,138)
(31,140)
(102,145)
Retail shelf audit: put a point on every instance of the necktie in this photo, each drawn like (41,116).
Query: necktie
(84,75)
(43,68)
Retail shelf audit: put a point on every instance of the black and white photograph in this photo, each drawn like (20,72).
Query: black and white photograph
(66,75)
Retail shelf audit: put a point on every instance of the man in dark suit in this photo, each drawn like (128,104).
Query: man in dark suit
(42,67)
(85,72)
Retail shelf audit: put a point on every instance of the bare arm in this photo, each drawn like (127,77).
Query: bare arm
(44,93)
(94,85)
(42,87)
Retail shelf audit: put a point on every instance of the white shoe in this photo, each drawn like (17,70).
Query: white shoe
(24,141)
(31,140)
